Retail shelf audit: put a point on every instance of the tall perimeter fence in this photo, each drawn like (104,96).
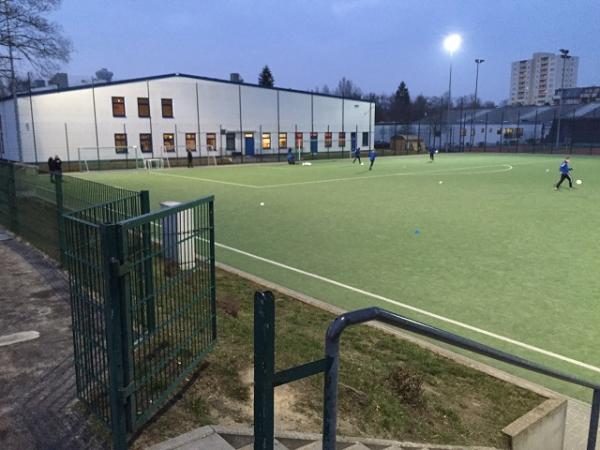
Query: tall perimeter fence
(567,128)
(142,286)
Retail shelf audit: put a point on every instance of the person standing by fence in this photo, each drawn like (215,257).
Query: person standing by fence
(57,167)
(51,168)
(190,161)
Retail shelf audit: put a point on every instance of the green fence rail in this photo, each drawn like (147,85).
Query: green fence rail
(144,312)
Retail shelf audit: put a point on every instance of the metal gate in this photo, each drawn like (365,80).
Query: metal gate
(143,302)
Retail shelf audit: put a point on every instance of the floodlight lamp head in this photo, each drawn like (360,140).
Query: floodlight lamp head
(452,42)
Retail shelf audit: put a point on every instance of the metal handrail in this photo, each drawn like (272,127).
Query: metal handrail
(332,363)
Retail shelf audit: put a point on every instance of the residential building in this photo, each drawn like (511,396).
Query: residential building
(574,96)
(534,81)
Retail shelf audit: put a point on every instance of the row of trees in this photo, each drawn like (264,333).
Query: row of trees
(396,107)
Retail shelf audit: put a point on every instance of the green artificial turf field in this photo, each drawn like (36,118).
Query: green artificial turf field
(480,245)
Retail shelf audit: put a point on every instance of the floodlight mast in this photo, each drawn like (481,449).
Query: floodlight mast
(451,44)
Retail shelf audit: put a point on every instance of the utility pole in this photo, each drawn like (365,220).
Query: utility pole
(564,55)
(13,79)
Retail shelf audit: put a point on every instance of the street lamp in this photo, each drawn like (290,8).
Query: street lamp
(451,44)
(477,61)
(564,55)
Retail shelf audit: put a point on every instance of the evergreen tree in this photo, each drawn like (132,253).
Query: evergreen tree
(265,78)
(400,110)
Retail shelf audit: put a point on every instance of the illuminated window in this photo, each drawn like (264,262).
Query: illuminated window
(282,140)
(167,107)
(266,141)
(120,143)
(169,142)
(143,107)
(146,142)
(190,141)
(508,132)
(342,140)
(328,139)
(211,141)
(299,140)
(118,106)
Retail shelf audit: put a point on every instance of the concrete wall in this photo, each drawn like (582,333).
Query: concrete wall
(543,428)
(66,121)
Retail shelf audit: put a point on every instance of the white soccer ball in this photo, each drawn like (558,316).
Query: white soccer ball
(547,170)
(578,182)
(440,182)
(262,203)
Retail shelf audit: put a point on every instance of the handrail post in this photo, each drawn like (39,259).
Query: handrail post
(332,366)
(264,370)
(593,431)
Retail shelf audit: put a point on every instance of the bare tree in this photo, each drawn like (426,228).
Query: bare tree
(346,88)
(104,74)
(28,35)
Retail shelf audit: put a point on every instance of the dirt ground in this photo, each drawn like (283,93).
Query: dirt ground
(38,407)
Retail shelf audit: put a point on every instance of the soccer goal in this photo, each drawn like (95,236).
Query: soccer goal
(97,158)
(211,156)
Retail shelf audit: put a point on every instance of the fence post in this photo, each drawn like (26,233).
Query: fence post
(58,181)
(148,267)
(114,334)
(264,370)
(12,199)
(213,270)
(593,431)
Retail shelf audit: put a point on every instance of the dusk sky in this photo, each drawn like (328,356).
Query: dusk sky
(308,43)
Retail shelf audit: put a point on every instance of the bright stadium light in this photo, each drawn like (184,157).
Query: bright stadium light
(452,42)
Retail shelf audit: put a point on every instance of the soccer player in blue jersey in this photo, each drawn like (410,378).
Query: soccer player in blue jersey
(357,156)
(431,153)
(564,170)
(372,156)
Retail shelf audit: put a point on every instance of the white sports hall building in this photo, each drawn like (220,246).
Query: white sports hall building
(163,116)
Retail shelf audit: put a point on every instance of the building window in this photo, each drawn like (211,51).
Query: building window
(365,139)
(143,107)
(282,140)
(169,142)
(230,142)
(211,141)
(519,132)
(118,106)
(463,131)
(190,141)
(483,130)
(120,143)
(146,143)
(299,140)
(266,141)
(342,140)
(167,107)
(328,139)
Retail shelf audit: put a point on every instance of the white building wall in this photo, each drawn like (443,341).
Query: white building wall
(215,107)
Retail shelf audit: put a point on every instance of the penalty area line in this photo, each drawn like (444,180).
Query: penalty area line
(415,309)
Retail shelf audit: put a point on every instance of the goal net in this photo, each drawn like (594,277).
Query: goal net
(99,158)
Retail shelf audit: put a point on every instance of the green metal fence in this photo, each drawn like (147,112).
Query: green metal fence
(31,205)
(144,313)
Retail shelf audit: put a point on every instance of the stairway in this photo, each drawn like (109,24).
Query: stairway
(220,438)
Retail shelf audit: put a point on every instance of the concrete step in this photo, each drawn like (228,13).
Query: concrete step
(220,438)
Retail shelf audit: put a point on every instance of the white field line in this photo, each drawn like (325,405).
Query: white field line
(412,308)
(251,186)
(457,171)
